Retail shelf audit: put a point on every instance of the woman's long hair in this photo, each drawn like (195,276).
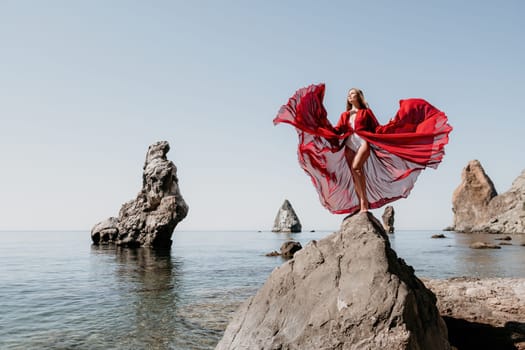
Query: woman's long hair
(360,98)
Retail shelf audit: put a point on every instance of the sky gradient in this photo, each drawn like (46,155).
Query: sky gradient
(86,86)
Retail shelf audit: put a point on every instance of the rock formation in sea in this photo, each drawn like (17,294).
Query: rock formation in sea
(388,219)
(149,219)
(346,291)
(478,208)
(286,219)
(471,198)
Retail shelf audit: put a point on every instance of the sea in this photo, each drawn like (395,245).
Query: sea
(58,291)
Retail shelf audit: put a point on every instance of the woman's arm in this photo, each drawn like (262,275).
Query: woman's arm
(342,125)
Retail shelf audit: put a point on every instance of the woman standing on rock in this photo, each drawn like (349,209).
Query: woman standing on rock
(357,149)
(359,164)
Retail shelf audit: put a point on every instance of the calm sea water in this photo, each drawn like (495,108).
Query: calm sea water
(57,291)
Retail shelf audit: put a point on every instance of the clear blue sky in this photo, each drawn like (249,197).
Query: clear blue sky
(86,86)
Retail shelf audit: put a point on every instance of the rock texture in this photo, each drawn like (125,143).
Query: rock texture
(149,219)
(482,313)
(286,219)
(388,219)
(346,291)
(478,208)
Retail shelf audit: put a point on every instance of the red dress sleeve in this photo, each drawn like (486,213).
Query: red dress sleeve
(342,125)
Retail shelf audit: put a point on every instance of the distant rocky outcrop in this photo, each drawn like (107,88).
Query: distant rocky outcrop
(478,208)
(388,219)
(346,291)
(148,220)
(286,219)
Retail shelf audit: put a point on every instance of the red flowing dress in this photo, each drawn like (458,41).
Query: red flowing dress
(411,141)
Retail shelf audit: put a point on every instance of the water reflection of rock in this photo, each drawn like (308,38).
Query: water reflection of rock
(148,283)
(154,279)
(158,309)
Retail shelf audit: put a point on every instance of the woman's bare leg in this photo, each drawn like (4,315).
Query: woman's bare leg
(355,162)
(358,161)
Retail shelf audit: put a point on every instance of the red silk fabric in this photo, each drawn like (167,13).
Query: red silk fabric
(411,141)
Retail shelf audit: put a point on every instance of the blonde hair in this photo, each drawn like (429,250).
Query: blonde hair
(360,98)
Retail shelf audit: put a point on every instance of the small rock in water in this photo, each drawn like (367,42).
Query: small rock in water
(483,245)
(506,238)
(289,248)
(505,243)
(439,235)
(274,253)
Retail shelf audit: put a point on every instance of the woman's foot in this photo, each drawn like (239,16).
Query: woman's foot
(364,206)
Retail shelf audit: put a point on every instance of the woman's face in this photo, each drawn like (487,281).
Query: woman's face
(353,98)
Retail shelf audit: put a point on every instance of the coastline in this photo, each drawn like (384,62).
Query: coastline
(482,313)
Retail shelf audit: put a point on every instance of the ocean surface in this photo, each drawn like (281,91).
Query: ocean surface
(57,291)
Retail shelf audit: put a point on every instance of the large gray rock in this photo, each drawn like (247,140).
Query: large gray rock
(471,198)
(346,291)
(388,219)
(286,219)
(478,208)
(149,220)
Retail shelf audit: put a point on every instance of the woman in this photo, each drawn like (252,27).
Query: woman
(358,164)
(356,148)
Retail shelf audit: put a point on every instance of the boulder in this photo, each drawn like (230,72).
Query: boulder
(346,291)
(478,208)
(286,219)
(149,219)
(388,219)
(105,232)
(438,235)
(289,248)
